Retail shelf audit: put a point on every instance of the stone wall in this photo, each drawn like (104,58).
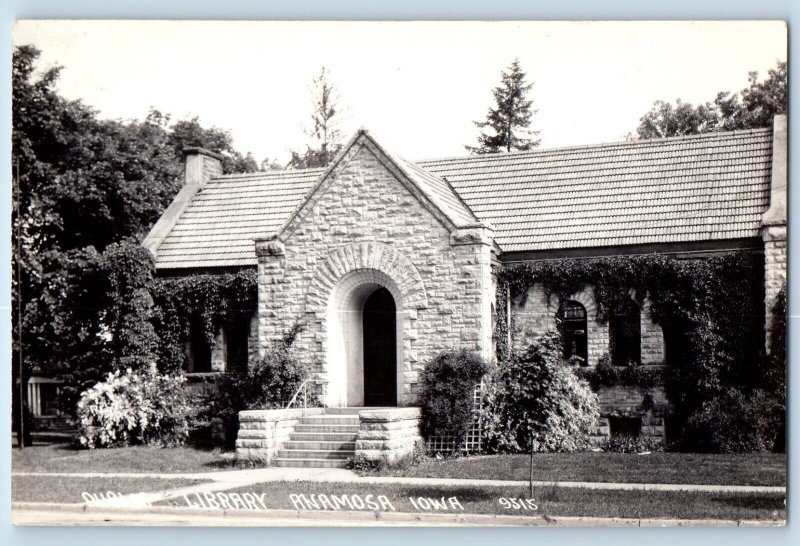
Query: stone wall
(774,270)
(263,432)
(363,218)
(388,435)
(219,352)
(535,313)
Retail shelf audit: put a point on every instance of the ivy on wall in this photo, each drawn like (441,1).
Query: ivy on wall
(711,311)
(205,301)
(725,287)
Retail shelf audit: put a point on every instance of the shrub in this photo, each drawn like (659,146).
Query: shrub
(268,383)
(448,384)
(632,443)
(135,407)
(537,402)
(733,423)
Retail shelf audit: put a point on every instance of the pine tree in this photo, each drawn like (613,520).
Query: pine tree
(510,119)
(325,131)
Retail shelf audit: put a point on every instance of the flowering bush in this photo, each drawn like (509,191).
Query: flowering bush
(135,407)
(537,402)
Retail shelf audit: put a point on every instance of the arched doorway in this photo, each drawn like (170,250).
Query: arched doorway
(380,349)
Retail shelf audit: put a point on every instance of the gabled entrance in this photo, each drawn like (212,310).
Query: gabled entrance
(380,349)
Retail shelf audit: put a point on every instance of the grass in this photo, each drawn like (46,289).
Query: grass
(550,500)
(683,468)
(66,489)
(137,459)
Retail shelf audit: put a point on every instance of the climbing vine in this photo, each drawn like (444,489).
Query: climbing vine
(205,301)
(724,286)
(710,309)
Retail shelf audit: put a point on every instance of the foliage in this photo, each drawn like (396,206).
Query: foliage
(86,191)
(605,374)
(205,301)
(448,383)
(538,404)
(753,107)
(325,131)
(710,309)
(269,382)
(100,315)
(510,118)
(732,422)
(628,443)
(135,407)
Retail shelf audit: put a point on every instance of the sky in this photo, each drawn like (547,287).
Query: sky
(416,86)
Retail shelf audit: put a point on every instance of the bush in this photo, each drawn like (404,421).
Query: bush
(448,384)
(135,407)
(629,443)
(733,423)
(268,383)
(537,403)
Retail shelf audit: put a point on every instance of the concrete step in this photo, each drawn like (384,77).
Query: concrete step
(343,411)
(330,420)
(340,429)
(310,463)
(313,454)
(323,436)
(326,446)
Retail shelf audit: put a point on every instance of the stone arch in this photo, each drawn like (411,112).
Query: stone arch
(340,285)
(370,258)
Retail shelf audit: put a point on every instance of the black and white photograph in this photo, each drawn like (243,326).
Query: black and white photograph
(421,273)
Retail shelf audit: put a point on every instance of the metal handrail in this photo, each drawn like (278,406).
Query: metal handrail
(304,389)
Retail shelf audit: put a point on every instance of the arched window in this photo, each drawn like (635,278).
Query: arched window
(571,318)
(625,334)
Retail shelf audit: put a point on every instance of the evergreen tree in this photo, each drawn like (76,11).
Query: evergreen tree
(325,131)
(510,118)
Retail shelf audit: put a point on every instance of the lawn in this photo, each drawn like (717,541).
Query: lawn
(549,501)
(140,459)
(65,489)
(685,468)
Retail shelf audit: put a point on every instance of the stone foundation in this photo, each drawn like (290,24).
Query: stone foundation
(263,432)
(388,435)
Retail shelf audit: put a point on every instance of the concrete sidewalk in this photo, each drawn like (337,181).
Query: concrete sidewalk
(236,478)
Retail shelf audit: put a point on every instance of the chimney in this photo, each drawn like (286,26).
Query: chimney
(200,166)
(776,214)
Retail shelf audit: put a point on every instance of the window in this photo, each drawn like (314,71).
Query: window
(198,351)
(625,335)
(237,349)
(625,426)
(571,318)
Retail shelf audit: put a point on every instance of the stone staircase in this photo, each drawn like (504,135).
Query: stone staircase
(321,441)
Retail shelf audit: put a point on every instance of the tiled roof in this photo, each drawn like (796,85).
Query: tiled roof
(442,193)
(218,227)
(684,189)
(694,188)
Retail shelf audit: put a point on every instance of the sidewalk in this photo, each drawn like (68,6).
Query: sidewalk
(236,478)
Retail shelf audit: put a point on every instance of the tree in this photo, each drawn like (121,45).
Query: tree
(325,131)
(86,192)
(510,118)
(753,107)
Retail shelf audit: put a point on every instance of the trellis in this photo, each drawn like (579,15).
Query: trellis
(472,442)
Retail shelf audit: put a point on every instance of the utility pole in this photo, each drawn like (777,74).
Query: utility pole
(21,423)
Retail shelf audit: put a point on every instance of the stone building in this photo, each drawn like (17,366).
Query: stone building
(388,261)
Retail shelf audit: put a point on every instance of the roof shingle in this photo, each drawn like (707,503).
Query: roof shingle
(685,189)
